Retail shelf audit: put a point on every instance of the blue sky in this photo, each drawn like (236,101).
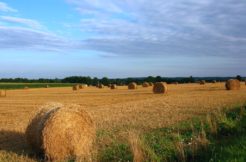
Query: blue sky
(58,38)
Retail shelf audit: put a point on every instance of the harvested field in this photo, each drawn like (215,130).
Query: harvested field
(112,111)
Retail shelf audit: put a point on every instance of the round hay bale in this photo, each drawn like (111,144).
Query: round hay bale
(176,83)
(145,84)
(132,85)
(160,87)
(82,86)
(232,84)
(109,85)
(26,87)
(76,87)
(113,86)
(47,86)
(151,84)
(100,85)
(61,132)
(202,82)
(214,81)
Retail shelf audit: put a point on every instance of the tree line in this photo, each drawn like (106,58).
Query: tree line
(119,81)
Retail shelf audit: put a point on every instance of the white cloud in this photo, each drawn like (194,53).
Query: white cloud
(173,27)
(142,28)
(17,38)
(18,33)
(91,7)
(28,22)
(5,8)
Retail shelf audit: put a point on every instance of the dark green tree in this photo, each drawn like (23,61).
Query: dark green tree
(158,79)
(105,81)
(238,77)
(150,79)
(95,81)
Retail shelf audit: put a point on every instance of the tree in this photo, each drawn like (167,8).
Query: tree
(150,79)
(239,77)
(95,81)
(192,80)
(129,80)
(158,79)
(105,81)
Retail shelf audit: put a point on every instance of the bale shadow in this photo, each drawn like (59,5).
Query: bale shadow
(15,142)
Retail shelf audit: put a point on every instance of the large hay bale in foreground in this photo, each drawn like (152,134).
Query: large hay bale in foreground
(76,87)
(145,84)
(202,82)
(3,93)
(61,132)
(113,86)
(132,85)
(232,84)
(160,87)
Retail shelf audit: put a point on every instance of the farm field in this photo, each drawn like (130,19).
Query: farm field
(113,111)
(32,85)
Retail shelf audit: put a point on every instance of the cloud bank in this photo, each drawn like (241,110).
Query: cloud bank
(17,33)
(5,8)
(19,38)
(22,21)
(165,28)
(136,28)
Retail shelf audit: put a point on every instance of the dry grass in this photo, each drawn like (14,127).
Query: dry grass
(179,147)
(136,148)
(176,83)
(113,111)
(3,93)
(212,123)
